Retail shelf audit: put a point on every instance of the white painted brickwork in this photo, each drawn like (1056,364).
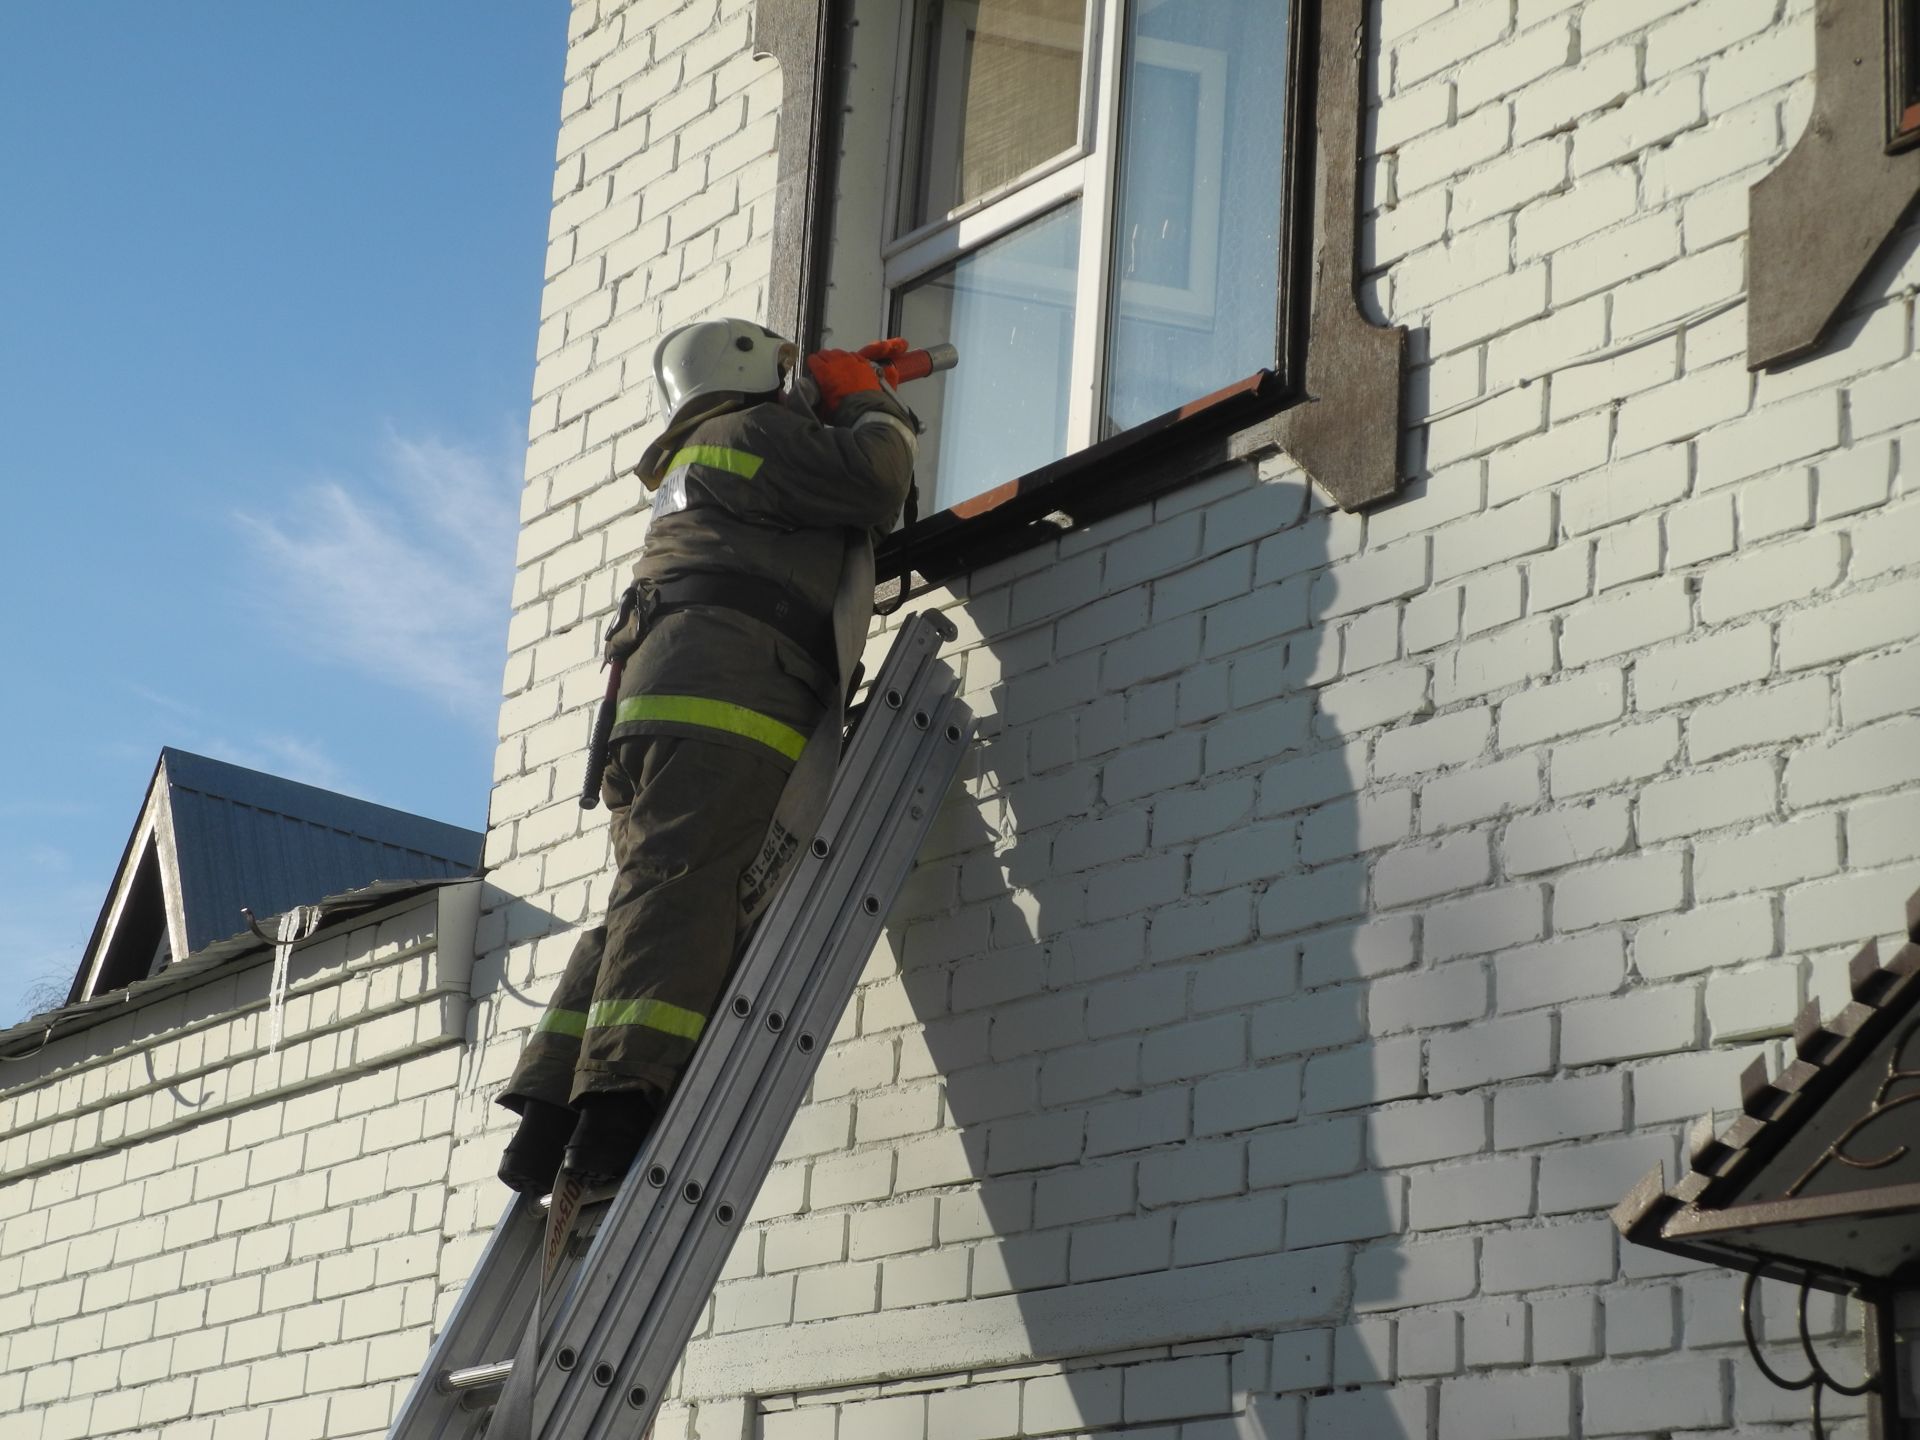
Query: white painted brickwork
(200,1240)
(1341,911)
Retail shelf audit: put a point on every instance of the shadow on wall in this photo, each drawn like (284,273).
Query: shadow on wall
(1138,946)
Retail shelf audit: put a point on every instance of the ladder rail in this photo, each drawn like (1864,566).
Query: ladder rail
(634,1256)
(651,1327)
(626,1311)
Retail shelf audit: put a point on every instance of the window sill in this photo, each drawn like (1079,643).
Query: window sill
(1127,469)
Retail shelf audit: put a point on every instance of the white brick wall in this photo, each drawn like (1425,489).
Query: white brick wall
(202,1239)
(1383,893)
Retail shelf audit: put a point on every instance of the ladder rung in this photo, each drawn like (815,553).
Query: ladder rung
(476,1377)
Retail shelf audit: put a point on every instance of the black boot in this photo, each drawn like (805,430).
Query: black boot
(532,1156)
(610,1132)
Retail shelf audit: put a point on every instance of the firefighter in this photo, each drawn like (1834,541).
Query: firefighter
(750,604)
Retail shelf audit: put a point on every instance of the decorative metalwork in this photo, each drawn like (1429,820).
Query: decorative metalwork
(1818,1377)
(1880,1106)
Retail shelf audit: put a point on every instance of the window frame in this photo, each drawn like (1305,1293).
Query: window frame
(1060,493)
(1903,75)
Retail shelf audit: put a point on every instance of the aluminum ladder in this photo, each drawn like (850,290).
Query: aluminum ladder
(615,1323)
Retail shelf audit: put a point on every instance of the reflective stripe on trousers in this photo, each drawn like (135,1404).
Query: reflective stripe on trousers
(722,715)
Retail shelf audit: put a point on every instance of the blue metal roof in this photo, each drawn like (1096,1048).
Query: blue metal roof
(244,838)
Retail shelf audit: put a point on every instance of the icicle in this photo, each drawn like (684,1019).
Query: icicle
(295,925)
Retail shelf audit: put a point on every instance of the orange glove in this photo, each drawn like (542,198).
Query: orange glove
(883,353)
(839,373)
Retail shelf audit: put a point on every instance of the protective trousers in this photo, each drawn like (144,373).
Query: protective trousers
(687,817)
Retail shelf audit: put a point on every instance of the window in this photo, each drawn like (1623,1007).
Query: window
(1092,199)
(1903,73)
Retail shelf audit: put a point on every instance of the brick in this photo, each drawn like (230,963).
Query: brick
(1689,1394)
(1848,910)
(1881,831)
(1440,154)
(1441,996)
(1628,752)
(1598,82)
(1362,1075)
(1312,1021)
(1775,504)
(1420,872)
(1506,1407)
(1248,1100)
(1556,838)
(1682,1087)
(1462,797)
(1564,707)
(1395,1275)
(1739,140)
(1876,758)
(1573,448)
(1641,885)
(1703,800)
(1698,530)
(1675,291)
(1704,937)
(1493,1050)
(1483,922)
(1372,578)
(1604,260)
(1498,420)
(1767,858)
(1677,674)
(1594,1174)
(1495,662)
(1751,1004)
(1304,1152)
(1358,1208)
(1377,947)
(1445,42)
(1782,711)
(1631,620)
(1695,403)
(1577,1253)
(1076,1400)
(1645,1022)
(1772,577)
(1853,623)
(1427,1130)
(1565,1327)
(1448,740)
(1706,29)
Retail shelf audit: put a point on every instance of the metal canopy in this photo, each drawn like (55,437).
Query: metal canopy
(1818,1181)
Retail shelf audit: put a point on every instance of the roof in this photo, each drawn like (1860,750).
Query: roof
(20,1041)
(213,839)
(1818,1179)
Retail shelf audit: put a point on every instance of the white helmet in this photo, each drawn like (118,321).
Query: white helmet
(706,369)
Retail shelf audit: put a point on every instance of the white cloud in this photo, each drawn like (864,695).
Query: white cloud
(405,577)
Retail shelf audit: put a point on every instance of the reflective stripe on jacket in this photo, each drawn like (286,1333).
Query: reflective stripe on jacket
(770,492)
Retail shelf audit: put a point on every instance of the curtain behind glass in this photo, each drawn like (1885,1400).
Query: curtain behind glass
(1001,94)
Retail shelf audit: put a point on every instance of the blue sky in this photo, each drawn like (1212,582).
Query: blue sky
(269,284)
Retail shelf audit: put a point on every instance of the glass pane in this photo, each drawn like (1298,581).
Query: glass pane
(1000,94)
(1196,259)
(1003,411)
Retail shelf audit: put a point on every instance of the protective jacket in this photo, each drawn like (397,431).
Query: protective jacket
(771,494)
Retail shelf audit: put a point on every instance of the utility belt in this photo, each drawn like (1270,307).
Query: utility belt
(646,602)
(767,601)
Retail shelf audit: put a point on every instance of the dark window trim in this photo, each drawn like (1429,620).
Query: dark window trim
(1822,216)
(1903,75)
(1340,420)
